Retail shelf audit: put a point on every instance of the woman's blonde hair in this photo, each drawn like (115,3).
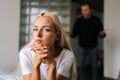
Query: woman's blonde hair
(62,42)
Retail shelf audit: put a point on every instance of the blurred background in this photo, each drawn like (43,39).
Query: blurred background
(16,21)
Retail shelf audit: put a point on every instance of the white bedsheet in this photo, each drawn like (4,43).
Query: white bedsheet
(9,75)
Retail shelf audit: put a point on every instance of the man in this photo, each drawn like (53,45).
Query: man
(88,28)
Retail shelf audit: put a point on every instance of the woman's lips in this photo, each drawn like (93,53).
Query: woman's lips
(38,41)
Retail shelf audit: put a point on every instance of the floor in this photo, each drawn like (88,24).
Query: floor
(88,73)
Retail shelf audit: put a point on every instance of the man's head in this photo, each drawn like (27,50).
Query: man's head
(86,10)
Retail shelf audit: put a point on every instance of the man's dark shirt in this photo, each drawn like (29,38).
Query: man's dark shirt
(88,31)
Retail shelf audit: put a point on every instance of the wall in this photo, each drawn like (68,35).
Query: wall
(112,41)
(9,33)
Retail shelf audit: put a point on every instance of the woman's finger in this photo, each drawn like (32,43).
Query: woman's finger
(44,56)
(35,48)
(45,51)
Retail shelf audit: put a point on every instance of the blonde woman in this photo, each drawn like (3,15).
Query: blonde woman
(48,56)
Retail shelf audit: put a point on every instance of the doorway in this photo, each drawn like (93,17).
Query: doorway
(97,10)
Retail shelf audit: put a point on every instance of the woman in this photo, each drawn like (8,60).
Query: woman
(48,56)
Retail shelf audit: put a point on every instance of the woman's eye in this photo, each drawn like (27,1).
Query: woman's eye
(35,29)
(47,29)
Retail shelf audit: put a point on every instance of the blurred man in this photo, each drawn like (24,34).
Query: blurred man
(88,28)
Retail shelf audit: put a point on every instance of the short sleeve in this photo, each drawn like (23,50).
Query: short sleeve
(65,66)
(24,63)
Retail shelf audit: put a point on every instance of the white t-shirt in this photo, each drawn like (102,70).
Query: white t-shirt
(64,62)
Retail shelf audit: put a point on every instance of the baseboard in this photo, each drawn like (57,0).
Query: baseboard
(105,78)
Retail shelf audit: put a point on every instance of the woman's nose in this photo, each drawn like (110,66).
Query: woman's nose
(39,34)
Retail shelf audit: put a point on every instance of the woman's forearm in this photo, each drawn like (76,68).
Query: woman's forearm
(35,73)
(52,72)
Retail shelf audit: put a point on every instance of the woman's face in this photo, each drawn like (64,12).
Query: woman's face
(44,32)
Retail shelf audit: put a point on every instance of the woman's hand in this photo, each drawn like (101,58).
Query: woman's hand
(42,54)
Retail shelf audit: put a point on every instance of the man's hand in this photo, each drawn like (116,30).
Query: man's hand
(68,32)
(102,33)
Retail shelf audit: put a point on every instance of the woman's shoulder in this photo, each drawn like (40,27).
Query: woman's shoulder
(25,51)
(67,53)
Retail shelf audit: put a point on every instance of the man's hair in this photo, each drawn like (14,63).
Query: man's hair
(86,3)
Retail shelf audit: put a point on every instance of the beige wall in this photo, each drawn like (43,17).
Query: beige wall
(112,41)
(9,32)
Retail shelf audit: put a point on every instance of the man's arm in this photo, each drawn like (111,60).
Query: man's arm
(74,32)
(102,33)
(100,29)
(69,32)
